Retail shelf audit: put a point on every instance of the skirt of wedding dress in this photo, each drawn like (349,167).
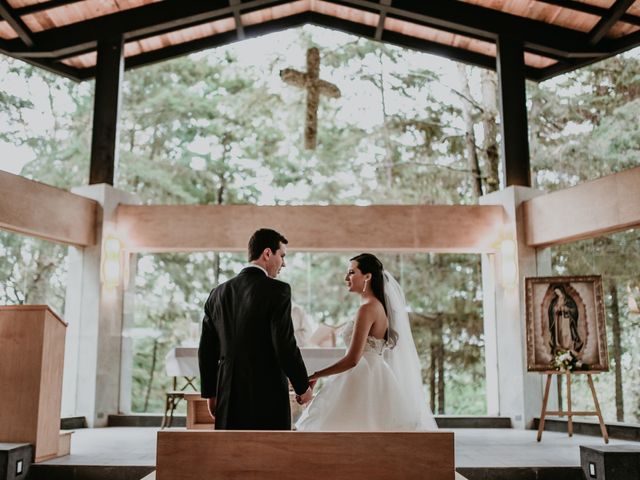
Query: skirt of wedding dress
(365,398)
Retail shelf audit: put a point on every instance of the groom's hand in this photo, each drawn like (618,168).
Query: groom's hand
(211,405)
(305,397)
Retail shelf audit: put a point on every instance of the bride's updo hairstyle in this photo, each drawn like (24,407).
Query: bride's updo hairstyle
(369,263)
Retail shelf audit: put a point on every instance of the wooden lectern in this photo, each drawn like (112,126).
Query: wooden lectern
(31,359)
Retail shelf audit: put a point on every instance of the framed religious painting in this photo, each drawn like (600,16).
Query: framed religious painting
(565,324)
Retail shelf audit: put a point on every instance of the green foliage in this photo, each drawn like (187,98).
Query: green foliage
(213,128)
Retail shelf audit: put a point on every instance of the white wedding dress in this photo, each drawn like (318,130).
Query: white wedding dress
(383,392)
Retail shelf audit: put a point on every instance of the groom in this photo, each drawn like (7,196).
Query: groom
(247,348)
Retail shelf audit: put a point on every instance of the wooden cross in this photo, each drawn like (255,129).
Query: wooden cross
(311,81)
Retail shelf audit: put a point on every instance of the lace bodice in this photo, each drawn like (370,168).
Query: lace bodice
(374,345)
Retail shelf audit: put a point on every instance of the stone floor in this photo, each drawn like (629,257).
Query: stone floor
(475,448)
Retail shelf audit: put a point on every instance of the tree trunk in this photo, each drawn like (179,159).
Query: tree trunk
(535,130)
(616,348)
(152,370)
(436,369)
(37,290)
(385,129)
(490,128)
(433,367)
(440,365)
(469,134)
(216,269)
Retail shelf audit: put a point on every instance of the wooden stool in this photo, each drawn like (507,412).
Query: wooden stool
(569,413)
(173,397)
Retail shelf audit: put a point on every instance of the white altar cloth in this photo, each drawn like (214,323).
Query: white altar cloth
(183,361)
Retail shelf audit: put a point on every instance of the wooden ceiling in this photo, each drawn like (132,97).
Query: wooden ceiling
(558,35)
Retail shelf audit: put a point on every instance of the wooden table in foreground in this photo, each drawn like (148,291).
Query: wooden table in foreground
(285,455)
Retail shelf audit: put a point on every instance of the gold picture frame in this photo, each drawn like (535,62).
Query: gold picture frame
(566,314)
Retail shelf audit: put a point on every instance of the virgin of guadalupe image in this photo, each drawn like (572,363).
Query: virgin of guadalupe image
(563,321)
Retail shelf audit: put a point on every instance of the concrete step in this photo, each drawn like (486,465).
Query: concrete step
(144,420)
(622,431)
(464,421)
(73,423)
(443,421)
(87,472)
(522,473)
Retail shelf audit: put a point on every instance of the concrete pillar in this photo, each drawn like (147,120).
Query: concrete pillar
(511,390)
(91,384)
(126,357)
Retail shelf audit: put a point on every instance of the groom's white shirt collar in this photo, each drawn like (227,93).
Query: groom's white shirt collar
(253,265)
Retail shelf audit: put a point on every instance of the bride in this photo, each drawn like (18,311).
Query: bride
(377,385)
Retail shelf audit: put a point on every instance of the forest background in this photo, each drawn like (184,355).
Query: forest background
(219,127)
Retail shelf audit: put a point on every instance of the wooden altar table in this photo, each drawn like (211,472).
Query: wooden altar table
(284,455)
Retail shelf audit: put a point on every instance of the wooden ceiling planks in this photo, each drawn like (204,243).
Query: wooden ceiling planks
(78,12)
(294,8)
(560,16)
(355,15)
(158,42)
(543,12)
(7,32)
(361,13)
(179,36)
(264,15)
(25,3)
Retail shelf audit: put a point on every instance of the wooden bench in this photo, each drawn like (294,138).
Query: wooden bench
(284,455)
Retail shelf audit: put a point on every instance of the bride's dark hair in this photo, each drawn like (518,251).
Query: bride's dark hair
(368,263)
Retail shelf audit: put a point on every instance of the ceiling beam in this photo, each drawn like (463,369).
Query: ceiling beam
(401,228)
(42,211)
(8,13)
(382,16)
(251,31)
(616,11)
(598,207)
(132,24)
(472,20)
(465,19)
(236,15)
(48,65)
(591,9)
(619,46)
(457,54)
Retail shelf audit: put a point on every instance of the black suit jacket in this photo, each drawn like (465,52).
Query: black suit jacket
(247,351)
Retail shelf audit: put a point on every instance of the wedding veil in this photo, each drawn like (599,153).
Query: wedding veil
(403,357)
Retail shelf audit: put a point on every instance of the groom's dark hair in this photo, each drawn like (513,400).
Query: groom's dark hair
(264,238)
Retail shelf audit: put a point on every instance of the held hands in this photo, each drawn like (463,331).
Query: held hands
(305,397)
(308,395)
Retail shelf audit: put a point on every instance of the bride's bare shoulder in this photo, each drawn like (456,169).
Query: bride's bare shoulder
(371,309)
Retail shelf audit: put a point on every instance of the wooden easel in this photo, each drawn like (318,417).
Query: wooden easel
(569,413)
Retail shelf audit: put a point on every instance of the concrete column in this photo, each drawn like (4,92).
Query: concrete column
(126,357)
(91,385)
(511,390)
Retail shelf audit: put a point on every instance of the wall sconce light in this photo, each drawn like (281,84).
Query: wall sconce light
(509,267)
(111,262)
